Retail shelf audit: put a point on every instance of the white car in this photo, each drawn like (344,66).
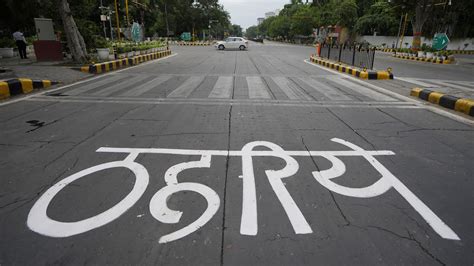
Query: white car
(233,43)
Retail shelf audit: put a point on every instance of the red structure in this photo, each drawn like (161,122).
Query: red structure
(48,51)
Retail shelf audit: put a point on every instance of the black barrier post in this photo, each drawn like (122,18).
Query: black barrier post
(329,51)
(340,52)
(353,55)
(373,59)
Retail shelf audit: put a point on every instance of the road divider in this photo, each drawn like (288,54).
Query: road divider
(463,105)
(363,74)
(192,43)
(428,60)
(121,63)
(17,86)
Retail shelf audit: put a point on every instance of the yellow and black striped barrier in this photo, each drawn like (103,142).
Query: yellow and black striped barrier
(363,74)
(193,43)
(17,86)
(462,51)
(386,50)
(429,60)
(448,101)
(121,63)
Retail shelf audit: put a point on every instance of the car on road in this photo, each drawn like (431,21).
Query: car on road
(233,43)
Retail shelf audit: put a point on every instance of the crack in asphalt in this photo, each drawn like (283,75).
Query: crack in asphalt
(410,237)
(229,132)
(349,224)
(354,130)
(330,192)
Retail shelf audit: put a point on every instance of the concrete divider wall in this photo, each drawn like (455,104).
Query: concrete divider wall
(455,44)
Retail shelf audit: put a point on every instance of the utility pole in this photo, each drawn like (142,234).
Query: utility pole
(117,20)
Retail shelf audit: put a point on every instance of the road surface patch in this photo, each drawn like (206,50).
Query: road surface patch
(448,101)
(121,63)
(427,60)
(193,43)
(363,74)
(17,86)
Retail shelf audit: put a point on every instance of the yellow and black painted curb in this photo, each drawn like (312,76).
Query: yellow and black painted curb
(386,50)
(121,63)
(363,74)
(462,51)
(429,60)
(448,101)
(17,86)
(193,44)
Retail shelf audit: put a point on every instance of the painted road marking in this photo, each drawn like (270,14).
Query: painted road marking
(187,87)
(290,89)
(117,87)
(257,89)
(139,90)
(329,92)
(92,86)
(362,90)
(222,88)
(38,220)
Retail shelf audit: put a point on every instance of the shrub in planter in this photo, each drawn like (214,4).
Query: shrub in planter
(6,47)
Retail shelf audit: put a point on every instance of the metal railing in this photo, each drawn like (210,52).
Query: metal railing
(355,55)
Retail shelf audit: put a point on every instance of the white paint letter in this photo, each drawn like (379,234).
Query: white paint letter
(159,207)
(249,223)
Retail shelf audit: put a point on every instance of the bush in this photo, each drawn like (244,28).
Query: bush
(7,42)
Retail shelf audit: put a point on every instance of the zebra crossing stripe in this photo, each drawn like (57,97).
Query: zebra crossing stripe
(112,79)
(362,90)
(222,88)
(187,87)
(257,90)
(326,90)
(139,90)
(290,89)
(108,90)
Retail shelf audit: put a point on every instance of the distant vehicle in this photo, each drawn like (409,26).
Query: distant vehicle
(260,40)
(233,43)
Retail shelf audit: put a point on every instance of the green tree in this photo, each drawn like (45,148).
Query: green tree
(380,18)
(280,27)
(251,32)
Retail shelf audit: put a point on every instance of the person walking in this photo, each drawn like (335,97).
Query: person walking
(20,43)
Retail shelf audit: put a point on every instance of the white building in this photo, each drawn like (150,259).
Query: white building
(260,20)
(269,14)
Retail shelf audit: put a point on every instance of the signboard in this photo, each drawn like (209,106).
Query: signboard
(136,32)
(186,36)
(440,41)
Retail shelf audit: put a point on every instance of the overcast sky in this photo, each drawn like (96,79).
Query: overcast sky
(246,12)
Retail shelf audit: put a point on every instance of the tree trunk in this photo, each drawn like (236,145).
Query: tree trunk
(422,11)
(74,38)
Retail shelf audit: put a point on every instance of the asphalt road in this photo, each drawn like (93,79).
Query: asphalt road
(234,158)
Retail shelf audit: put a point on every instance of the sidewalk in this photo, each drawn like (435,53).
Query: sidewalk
(30,68)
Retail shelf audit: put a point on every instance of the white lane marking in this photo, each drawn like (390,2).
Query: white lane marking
(39,221)
(108,90)
(222,88)
(387,181)
(257,89)
(159,202)
(141,89)
(446,84)
(34,94)
(328,91)
(276,103)
(249,220)
(290,89)
(185,89)
(94,85)
(419,104)
(362,90)
(417,82)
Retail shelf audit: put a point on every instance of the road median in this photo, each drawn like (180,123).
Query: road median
(463,105)
(362,74)
(122,63)
(427,60)
(17,86)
